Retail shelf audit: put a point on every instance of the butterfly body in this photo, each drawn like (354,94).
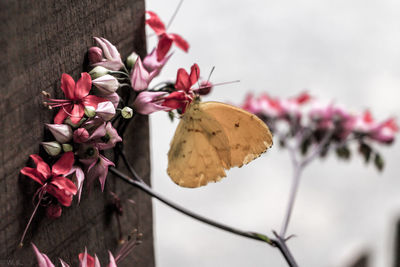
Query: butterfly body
(211,138)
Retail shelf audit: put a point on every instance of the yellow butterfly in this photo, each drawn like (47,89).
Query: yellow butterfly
(213,137)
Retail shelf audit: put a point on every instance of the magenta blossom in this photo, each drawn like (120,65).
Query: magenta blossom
(165,39)
(53,181)
(99,169)
(112,58)
(77,98)
(148,102)
(85,259)
(152,64)
(140,77)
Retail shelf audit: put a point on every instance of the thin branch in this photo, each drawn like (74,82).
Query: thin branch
(144,187)
(138,182)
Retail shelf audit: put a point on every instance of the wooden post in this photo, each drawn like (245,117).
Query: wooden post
(40,40)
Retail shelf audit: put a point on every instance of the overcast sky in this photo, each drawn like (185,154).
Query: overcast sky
(347,51)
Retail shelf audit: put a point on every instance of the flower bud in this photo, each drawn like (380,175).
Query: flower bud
(131,60)
(53,211)
(81,135)
(61,132)
(106,84)
(90,111)
(127,113)
(105,110)
(98,72)
(52,148)
(67,147)
(95,55)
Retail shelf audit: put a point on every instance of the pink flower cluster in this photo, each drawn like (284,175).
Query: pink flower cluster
(311,123)
(85,260)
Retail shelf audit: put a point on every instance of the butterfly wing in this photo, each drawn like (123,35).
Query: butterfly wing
(199,151)
(248,136)
(212,137)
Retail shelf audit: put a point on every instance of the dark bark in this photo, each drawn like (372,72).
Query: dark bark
(40,40)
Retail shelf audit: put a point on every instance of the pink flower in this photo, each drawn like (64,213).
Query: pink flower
(251,104)
(385,131)
(151,63)
(53,180)
(148,102)
(112,60)
(109,139)
(78,97)
(364,123)
(165,39)
(85,259)
(270,107)
(42,259)
(140,77)
(99,169)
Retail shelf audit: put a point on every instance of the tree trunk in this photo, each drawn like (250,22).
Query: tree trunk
(40,40)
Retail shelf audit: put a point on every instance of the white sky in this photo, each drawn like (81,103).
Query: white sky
(347,51)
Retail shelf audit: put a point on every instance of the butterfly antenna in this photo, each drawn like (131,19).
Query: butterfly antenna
(174,15)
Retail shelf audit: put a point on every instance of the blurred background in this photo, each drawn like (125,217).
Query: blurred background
(346,51)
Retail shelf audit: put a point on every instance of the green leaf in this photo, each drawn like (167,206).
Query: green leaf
(379,162)
(365,151)
(171,115)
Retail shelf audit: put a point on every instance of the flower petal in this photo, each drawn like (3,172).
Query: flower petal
(147,102)
(182,80)
(77,113)
(68,86)
(63,114)
(179,41)
(64,164)
(41,166)
(33,174)
(140,77)
(43,260)
(194,74)
(65,184)
(112,260)
(155,23)
(92,100)
(83,86)
(164,44)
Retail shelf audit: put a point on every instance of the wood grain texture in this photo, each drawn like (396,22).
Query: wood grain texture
(40,40)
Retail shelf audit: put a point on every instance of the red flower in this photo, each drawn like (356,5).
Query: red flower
(165,39)
(77,97)
(53,180)
(183,95)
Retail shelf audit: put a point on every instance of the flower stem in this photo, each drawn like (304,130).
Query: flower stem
(21,243)
(292,197)
(119,72)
